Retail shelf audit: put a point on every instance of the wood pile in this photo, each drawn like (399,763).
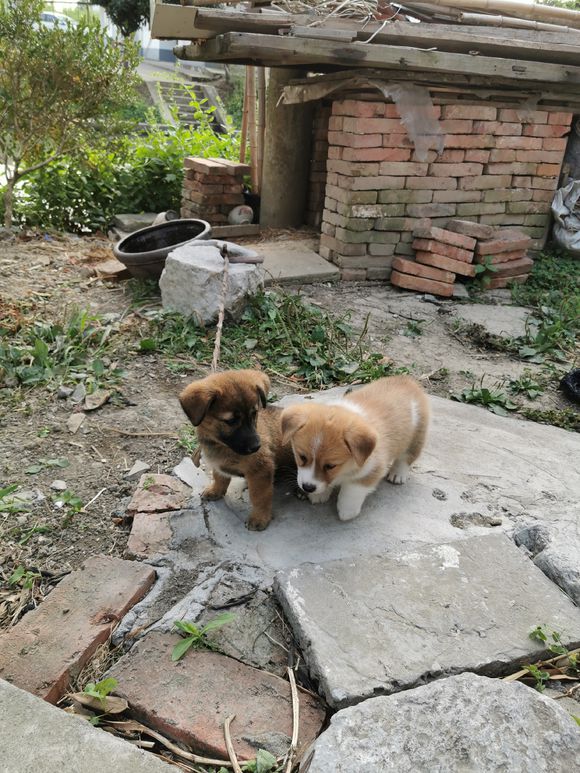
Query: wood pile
(478,43)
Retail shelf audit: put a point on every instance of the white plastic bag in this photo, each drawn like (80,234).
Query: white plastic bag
(566,211)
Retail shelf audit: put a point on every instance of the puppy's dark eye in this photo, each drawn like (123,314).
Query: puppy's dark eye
(302,459)
(328,467)
(230,422)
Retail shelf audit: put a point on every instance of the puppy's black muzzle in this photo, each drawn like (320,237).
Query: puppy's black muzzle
(244,441)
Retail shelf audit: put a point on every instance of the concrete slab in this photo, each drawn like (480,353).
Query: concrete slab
(35,736)
(381,624)
(503,321)
(294,261)
(465,723)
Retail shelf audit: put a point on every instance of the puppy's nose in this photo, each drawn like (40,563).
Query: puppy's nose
(254,446)
(308,487)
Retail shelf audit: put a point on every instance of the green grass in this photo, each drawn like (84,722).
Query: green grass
(280,332)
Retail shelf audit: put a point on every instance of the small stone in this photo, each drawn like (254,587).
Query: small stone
(74,422)
(465,520)
(137,469)
(158,494)
(63,392)
(79,393)
(460,291)
(58,485)
(192,476)
(96,399)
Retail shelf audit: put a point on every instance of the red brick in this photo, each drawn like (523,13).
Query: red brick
(457,126)
(501,282)
(470,141)
(513,267)
(518,116)
(502,155)
(548,170)
(353,274)
(498,128)
(335,123)
(216,166)
(376,154)
(468,228)
(447,250)
(158,494)
(542,196)
(554,143)
(543,130)
(150,535)
(51,644)
(373,126)
(431,183)
(358,108)
(377,183)
(457,196)
(395,169)
(514,167)
(349,140)
(528,207)
(420,285)
(431,210)
(189,700)
(563,119)
(426,272)
(519,143)
(485,181)
(351,169)
(445,264)
(540,156)
(477,155)
(455,170)
(475,112)
(397,141)
(501,257)
(544,183)
(508,194)
(506,241)
(446,237)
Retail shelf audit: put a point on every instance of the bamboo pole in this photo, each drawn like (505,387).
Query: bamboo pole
(260,124)
(516,8)
(244,129)
(482,19)
(251,80)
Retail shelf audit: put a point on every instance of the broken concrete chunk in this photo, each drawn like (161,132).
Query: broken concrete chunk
(58,485)
(158,494)
(137,469)
(463,723)
(96,399)
(74,422)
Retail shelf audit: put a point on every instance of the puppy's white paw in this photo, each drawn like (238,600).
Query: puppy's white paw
(399,472)
(350,500)
(317,499)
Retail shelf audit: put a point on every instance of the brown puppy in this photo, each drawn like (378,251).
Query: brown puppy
(238,435)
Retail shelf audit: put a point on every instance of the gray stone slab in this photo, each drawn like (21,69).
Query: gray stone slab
(133,222)
(503,321)
(380,624)
(464,724)
(295,262)
(36,737)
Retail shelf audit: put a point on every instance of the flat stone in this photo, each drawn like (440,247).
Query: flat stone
(158,494)
(75,422)
(464,723)
(96,399)
(503,321)
(64,392)
(189,474)
(192,282)
(150,535)
(130,222)
(189,700)
(58,485)
(35,736)
(380,624)
(465,520)
(137,469)
(51,644)
(295,261)
(556,551)
(79,393)
(460,291)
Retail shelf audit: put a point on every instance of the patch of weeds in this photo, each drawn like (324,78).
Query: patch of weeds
(142,291)
(49,353)
(527,386)
(541,677)
(27,534)
(43,432)
(100,690)
(43,464)
(70,502)
(483,273)
(9,501)
(148,482)
(25,578)
(196,636)
(566,418)
(565,665)
(495,400)
(294,338)
(188,439)
(414,328)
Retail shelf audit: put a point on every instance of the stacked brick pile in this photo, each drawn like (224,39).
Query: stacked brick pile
(212,187)
(318,158)
(440,255)
(506,250)
(499,168)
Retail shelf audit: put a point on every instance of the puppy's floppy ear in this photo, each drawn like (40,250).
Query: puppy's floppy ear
(196,400)
(361,442)
(262,387)
(292,419)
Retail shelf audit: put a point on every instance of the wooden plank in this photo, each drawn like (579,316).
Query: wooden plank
(176,22)
(285,51)
(325,33)
(232,21)
(454,39)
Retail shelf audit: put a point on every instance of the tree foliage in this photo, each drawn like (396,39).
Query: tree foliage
(127,15)
(56,88)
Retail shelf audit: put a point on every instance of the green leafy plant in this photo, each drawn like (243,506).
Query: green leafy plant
(9,501)
(414,328)
(196,636)
(525,385)
(264,763)
(552,640)
(188,439)
(25,578)
(484,272)
(102,689)
(566,418)
(46,463)
(494,400)
(541,677)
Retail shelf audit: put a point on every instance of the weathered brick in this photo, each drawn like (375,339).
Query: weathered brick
(398,223)
(475,112)
(456,126)
(507,194)
(480,208)
(383,250)
(469,228)
(340,247)
(561,119)
(335,123)
(548,170)
(498,128)
(358,108)
(351,169)
(548,130)
(528,207)
(513,267)
(158,494)
(500,282)
(377,183)
(544,183)
(362,261)
(150,536)
(353,274)
(160,694)
(470,141)
(446,237)
(405,197)
(519,116)
(542,196)
(327,228)
(503,219)
(519,143)
(539,219)
(502,155)
(431,210)
(395,169)
(514,167)
(457,196)
(345,196)
(447,250)
(485,182)
(431,183)
(51,644)
(554,143)
(404,248)
(330,204)
(374,273)
(418,269)
(357,224)
(376,154)
(506,241)
(540,156)
(349,140)
(373,126)
(353,237)
(445,264)
(455,170)
(501,257)
(420,285)
(478,155)
(377,210)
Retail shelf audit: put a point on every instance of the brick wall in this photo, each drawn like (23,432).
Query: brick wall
(496,169)
(319,155)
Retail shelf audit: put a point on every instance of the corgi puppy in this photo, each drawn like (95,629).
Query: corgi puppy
(353,443)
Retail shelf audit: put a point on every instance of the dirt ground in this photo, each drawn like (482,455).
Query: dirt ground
(42,277)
